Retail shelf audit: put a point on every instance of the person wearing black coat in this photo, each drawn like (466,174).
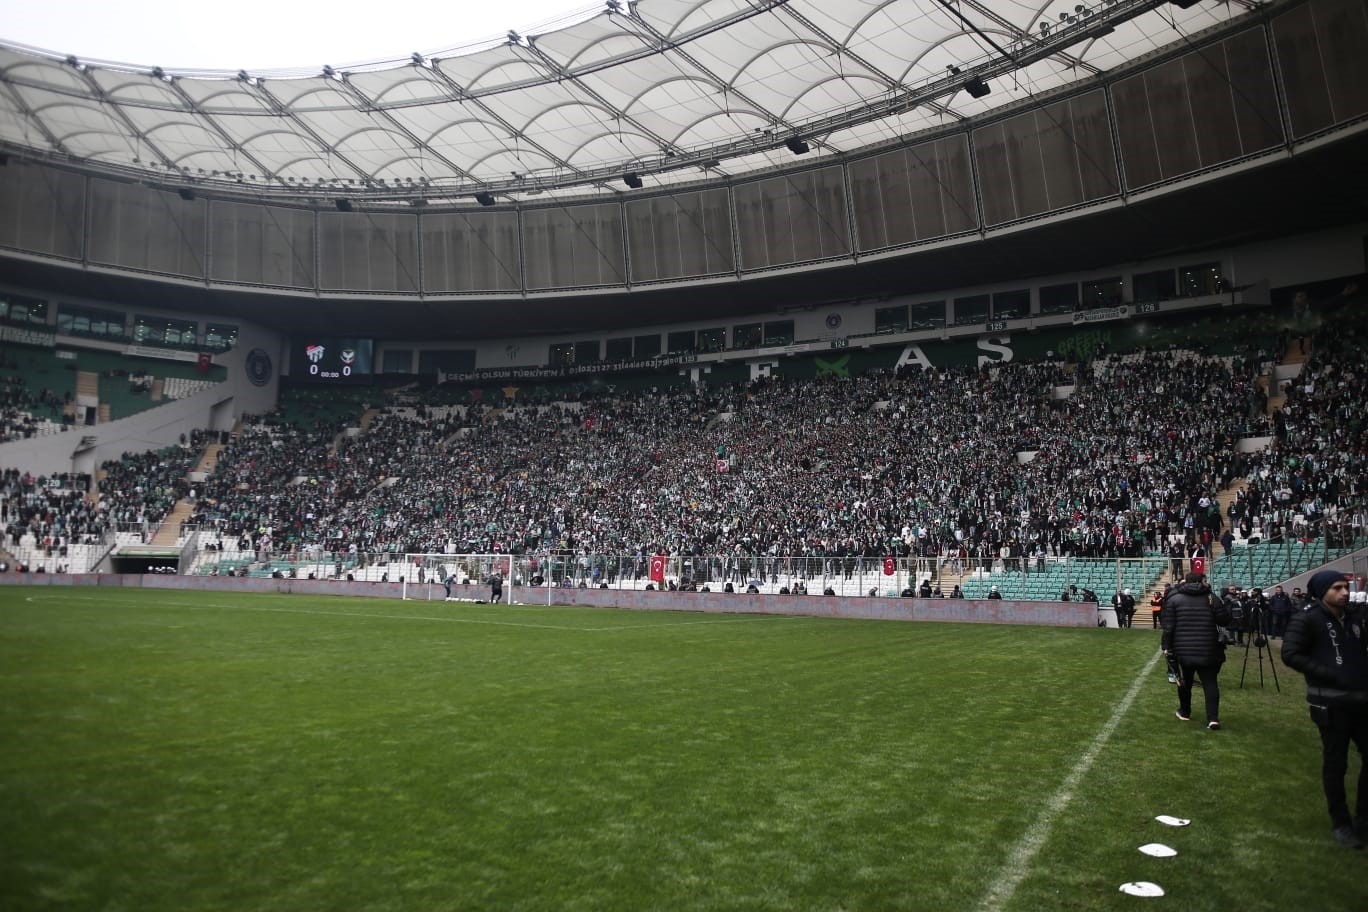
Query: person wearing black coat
(1328,644)
(1190,619)
(1280,609)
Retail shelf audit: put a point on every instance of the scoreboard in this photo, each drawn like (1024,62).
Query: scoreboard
(331,359)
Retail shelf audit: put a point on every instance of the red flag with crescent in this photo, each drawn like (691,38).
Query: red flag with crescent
(658,568)
(890,566)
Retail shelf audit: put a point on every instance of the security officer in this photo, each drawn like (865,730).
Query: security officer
(1125,607)
(1328,644)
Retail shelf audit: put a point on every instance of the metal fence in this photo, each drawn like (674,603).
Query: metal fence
(1033,578)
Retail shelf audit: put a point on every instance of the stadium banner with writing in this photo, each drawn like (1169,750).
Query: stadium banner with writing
(1118,330)
(480,375)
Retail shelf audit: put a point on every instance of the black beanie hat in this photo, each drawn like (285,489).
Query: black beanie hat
(1320,583)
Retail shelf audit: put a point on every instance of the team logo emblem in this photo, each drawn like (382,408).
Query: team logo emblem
(348,356)
(315,352)
(258,367)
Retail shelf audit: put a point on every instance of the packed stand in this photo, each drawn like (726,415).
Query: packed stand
(50,524)
(25,412)
(839,471)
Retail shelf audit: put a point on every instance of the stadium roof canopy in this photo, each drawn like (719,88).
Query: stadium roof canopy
(670,91)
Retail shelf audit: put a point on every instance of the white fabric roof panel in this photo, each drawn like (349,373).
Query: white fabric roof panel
(670,89)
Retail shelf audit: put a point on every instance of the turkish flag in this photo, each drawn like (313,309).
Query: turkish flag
(890,566)
(658,568)
(1199,565)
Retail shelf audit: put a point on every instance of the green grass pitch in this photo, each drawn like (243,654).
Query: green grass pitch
(164,750)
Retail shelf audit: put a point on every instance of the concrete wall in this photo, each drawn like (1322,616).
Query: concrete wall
(216,408)
(1048,614)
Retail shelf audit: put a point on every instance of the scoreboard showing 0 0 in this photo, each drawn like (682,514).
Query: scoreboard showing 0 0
(333,359)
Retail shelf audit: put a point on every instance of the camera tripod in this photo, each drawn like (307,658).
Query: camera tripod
(1259,641)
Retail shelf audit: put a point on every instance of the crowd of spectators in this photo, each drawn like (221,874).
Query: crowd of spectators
(1118,456)
(47,515)
(1315,477)
(966,465)
(25,412)
(140,489)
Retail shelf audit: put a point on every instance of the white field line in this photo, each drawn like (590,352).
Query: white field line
(448,620)
(1018,864)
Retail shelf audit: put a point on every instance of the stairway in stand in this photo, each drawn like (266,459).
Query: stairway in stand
(169,532)
(1295,354)
(209,460)
(88,384)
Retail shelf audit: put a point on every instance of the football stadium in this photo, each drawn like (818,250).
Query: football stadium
(711,455)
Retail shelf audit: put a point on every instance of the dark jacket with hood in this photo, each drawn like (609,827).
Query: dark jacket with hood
(1190,618)
(1332,654)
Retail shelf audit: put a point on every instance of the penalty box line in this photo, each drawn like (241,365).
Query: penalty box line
(1018,864)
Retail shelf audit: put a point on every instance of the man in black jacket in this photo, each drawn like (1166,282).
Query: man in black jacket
(1280,609)
(1328,643)
(1190,618)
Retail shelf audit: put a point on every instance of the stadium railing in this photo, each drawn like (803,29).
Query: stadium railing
(1027,579)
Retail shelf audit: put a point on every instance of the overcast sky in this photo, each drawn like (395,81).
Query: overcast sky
(257,35)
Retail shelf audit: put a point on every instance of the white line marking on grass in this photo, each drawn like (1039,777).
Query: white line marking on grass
(1019,862)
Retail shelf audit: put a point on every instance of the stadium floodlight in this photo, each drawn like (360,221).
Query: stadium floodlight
(632,180)
(798,146)
(484,199)
(976,87)
(186,194)
(343,205)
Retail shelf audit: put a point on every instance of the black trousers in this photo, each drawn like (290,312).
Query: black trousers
(1211,690)
(1339,726)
